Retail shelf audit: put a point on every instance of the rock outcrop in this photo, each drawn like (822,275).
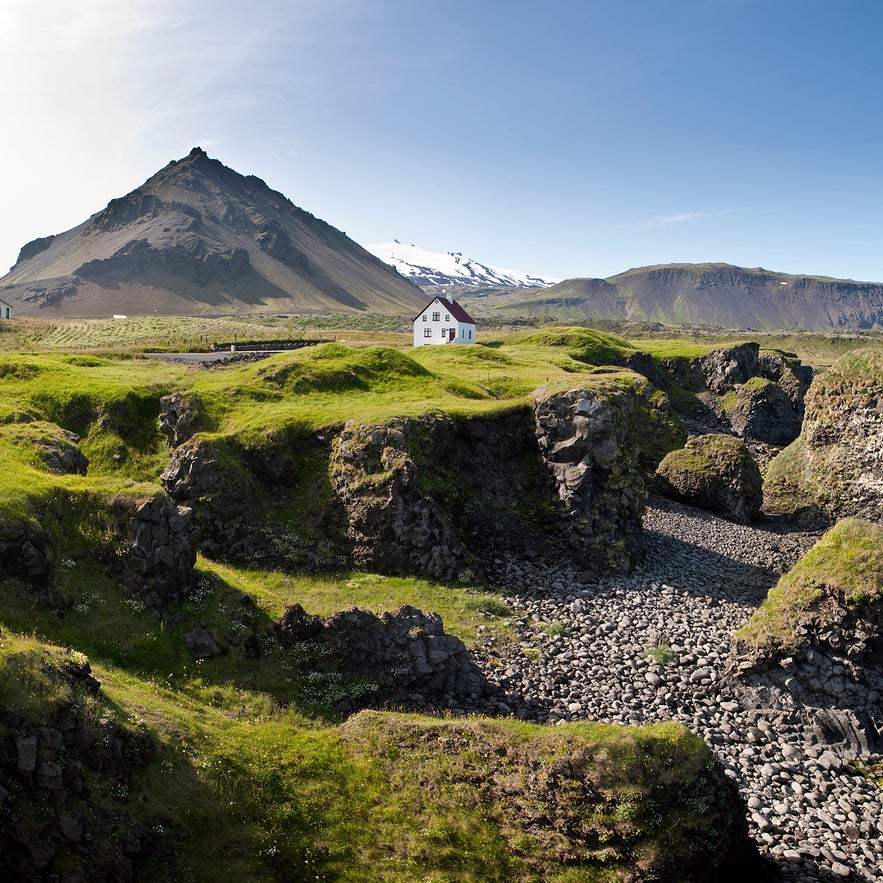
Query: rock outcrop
(218,496)
(814,649)
(52,770)
(725,369)
(756,394)
(837,462)
(713,472)
(436,495)
(179,417)
(26,552)
(393,525)
(764,412)
(402,658)
(163,552)
(598,447)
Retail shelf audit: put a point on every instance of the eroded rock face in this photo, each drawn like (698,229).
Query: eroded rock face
(163,553)
(51,827)
(814,649)
(179,418)
(217,497)
(713,472)
(837,462)
(723,370)
(406,653)
(597,447)
(789,374)
(393,525)
(764,412)
(437,495)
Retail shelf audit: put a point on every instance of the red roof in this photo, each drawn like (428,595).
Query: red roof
(452,307)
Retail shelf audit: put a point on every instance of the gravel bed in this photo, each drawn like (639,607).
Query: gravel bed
(652,645)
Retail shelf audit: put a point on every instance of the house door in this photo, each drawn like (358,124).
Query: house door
(452,333)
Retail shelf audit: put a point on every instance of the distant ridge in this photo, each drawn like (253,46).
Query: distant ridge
(719,295)
(433,269)
(199,238)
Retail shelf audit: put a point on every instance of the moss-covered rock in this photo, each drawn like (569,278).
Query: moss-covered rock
(599,446)
(713,472)
(837,462)
(606,802)
(65,773)
(816,642)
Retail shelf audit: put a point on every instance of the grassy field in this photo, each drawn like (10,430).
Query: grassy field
(253,770)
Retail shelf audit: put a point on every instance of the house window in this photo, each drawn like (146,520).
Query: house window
(436,317)
(447,318)
(470,334)
(427,332)
(424,317)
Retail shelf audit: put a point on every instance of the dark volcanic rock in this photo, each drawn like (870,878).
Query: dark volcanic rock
(764,412)
(52,824)
(179,417)
(724,370)
(34,247)
(393,525)
(597,447)
(163,554)
(26,552)
(713,472)
(404,653)
(201,643)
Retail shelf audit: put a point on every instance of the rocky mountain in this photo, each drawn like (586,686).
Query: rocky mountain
(719,295)
(432,269)
(199,238)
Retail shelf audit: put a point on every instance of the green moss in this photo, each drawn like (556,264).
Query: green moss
(844,567)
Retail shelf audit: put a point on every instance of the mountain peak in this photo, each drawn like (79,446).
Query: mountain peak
(198,236)
(431,269)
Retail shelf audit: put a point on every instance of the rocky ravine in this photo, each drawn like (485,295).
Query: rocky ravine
(587,652)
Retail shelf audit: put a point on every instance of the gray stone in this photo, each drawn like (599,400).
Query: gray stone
(201,643)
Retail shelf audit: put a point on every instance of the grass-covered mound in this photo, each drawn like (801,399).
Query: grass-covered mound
(842,572)
(224,777)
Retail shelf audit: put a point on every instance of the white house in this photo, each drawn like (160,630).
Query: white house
(5,310)
(443,321)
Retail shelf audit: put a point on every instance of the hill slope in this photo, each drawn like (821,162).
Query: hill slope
(710,294)
(198,238)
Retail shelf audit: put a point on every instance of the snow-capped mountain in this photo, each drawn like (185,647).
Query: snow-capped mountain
(431,268)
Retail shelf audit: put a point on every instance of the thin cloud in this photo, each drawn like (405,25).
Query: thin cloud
(680,219)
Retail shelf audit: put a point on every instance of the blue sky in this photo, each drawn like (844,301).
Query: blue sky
(566,138)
